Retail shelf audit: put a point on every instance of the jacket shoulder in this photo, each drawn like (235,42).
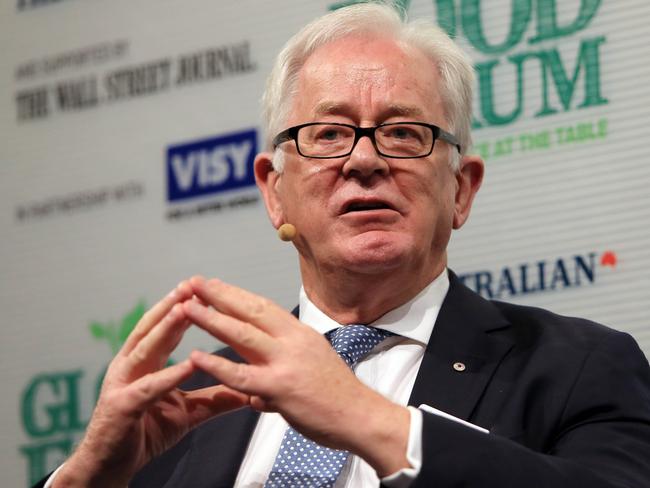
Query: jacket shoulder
(532,325)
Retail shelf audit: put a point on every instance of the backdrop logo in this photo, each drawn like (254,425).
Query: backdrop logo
(546,275)
(547,58)
(51,404)
(517,50)
(211,167)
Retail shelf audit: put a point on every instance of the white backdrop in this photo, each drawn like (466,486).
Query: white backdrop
(106,104)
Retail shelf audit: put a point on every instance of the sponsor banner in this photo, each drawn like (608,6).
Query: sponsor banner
(126,82)
(81,200)
(540,276)
(211,165)
(213,168)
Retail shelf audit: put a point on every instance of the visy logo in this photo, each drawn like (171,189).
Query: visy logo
(211,166)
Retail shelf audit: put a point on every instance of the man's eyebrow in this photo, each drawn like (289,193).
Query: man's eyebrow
(332,108)
(342,108)
(402,111)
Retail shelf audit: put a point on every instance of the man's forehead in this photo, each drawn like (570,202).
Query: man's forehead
(370,77)
(362,60)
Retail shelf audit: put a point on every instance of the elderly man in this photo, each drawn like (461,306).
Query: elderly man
(367,173)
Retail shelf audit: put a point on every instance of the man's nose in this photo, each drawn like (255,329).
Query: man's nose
(365,161)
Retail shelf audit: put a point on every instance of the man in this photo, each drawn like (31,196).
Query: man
(370,125)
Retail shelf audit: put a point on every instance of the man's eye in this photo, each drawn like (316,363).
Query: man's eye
(401,133)
(330,135)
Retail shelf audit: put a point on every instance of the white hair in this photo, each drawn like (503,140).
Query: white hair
(381,20)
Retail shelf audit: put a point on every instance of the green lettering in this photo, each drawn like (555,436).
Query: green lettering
(61,414)
(485,72)
(446,16)
(535,140)
(565,134)
(483,149)
(37,457)
(473,27)
(546,109)
(99,383)
(503,147)
(582,132)
(588,61)
(547,27)
(400,5)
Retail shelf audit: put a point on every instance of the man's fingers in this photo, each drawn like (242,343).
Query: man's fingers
(250,343)
(242,304)
(153,350)
(238,376)
(208,402)
(147,390)
(155,314)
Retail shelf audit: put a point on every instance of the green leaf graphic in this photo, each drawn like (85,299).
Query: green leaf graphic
(116,336)
(130,320)
(97,330)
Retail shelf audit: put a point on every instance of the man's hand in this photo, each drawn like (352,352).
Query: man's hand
(293,370)
(140,412)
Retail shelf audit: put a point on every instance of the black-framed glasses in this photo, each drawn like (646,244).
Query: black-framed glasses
(326,140)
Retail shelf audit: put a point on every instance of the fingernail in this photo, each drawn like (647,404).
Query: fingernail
(196,281)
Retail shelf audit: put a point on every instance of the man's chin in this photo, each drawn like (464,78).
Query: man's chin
(375,252)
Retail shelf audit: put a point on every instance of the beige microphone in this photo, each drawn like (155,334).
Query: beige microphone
(287,232)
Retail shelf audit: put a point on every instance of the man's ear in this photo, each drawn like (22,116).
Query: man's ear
(268,181)
(468,181)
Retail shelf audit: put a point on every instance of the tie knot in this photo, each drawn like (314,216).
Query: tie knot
(354,342)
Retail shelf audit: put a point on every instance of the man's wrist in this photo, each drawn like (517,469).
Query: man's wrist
(381,434)
(79,471)
(404,477)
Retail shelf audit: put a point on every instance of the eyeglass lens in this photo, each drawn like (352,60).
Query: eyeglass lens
(399,140)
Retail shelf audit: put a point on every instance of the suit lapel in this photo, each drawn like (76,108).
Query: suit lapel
(210,455)
(466,332)
(220,443)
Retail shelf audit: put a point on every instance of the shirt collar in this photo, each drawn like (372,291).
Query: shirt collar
(414,319)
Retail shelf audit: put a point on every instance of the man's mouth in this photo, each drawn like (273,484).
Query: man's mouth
(363,206)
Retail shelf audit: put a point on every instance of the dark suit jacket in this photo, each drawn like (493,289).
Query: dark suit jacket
(567,403)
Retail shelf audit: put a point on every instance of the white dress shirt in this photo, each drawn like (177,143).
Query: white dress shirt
(390,368)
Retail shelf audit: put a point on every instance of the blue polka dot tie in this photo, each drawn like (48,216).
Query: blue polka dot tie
(301,462)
